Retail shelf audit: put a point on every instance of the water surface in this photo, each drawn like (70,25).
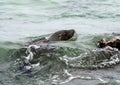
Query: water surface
(25,20)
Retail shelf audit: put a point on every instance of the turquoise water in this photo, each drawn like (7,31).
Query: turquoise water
(24,20)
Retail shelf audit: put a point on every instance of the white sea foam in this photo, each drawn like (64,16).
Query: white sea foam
(71,77)
(103,81)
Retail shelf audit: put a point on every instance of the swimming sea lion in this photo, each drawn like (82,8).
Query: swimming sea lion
(112,43)
(62,35)
(43,45)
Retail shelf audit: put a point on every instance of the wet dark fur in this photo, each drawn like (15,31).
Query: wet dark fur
(62,35)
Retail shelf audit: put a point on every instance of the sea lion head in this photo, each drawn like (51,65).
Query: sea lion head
(62,35)
(101,43)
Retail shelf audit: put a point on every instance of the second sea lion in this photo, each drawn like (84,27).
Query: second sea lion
(112,43)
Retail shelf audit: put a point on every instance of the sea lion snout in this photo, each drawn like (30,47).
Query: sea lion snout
(70,33)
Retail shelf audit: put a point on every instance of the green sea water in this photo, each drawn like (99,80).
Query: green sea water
(26,20)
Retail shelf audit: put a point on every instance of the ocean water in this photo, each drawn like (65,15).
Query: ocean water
(25,20)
